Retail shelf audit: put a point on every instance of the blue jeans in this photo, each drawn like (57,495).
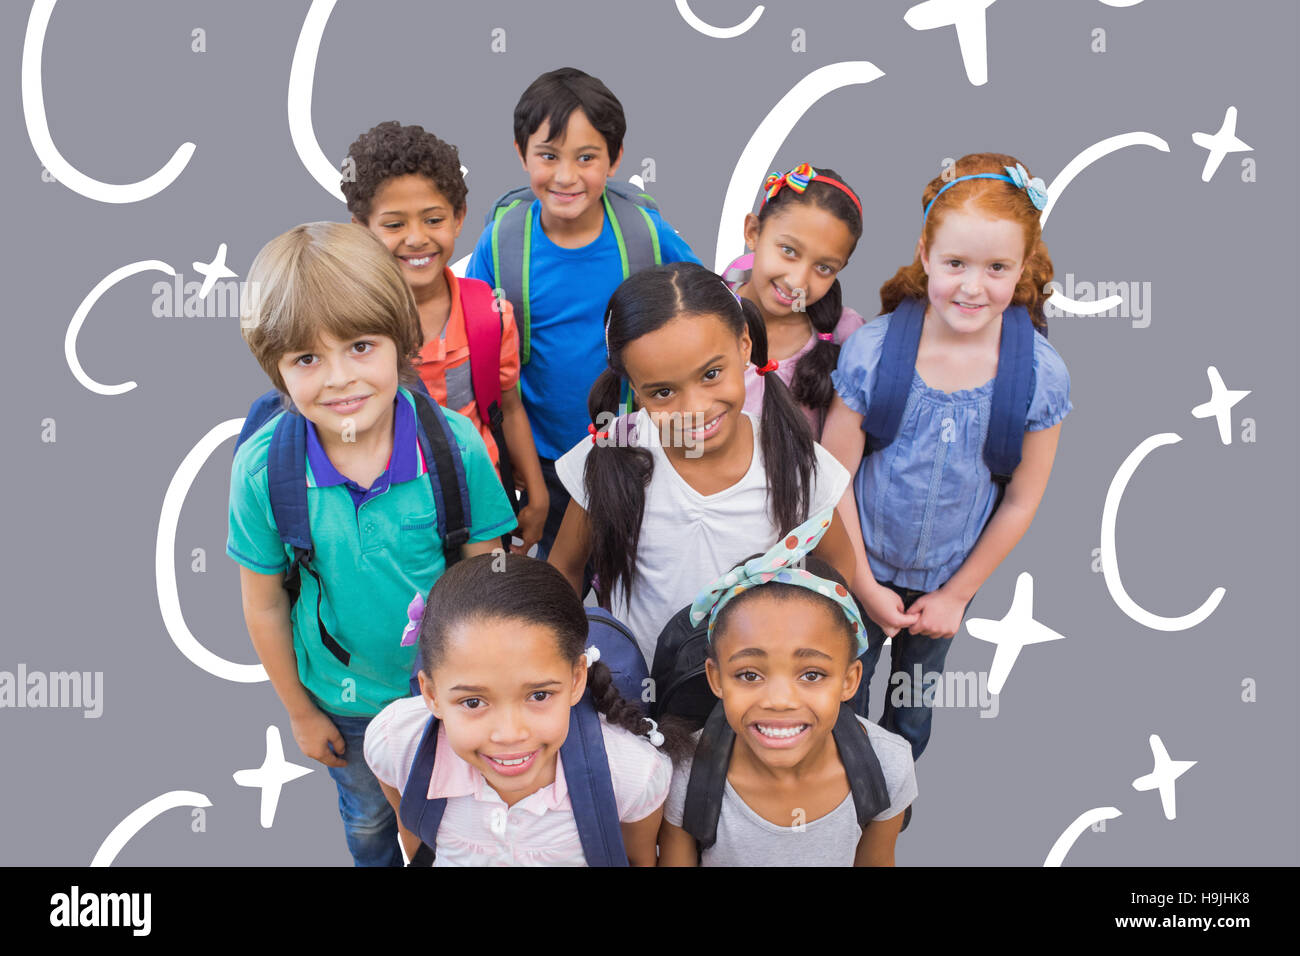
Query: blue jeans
(368,818)
(909,717)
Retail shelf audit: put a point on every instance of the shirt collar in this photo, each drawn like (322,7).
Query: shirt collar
(453,777)
(405,464)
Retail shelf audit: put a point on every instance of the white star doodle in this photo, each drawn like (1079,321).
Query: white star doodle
(1013,632)
(274,773)
(968,17)
(1220,404)
(1220,144)
(214,270)
(1163,775)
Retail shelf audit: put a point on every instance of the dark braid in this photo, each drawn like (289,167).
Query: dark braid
(620,711)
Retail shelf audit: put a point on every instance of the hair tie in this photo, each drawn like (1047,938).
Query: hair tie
(595,435)
(654,736)
(798,180)
(592,654)
(414,612)
(826,336)
(1016,175)
(771,366)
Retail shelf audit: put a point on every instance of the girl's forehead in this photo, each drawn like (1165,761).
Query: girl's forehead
(811,225)
(963,231)
(503,651)
(677,347)
(785,625)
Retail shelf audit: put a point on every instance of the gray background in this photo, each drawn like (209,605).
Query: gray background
(123,90)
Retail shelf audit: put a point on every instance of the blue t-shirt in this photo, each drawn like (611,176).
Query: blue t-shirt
(924,499)
(570,290)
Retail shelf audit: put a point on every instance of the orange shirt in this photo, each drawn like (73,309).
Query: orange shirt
(444,364)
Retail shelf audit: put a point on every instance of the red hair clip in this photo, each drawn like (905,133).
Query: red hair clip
(591,430)
(771,366)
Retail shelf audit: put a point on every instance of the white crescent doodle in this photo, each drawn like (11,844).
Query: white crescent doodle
(38,129)
(1066,840)
(1110,562)
(756,158)
(169,601)
(137,819)
(1089,156)
(79,317)
(1083,307)
(1121,3)
(302,78)
(718,33)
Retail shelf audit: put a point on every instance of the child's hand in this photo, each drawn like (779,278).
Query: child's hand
(532,519)
(885,608)
(313,731)
(940,614)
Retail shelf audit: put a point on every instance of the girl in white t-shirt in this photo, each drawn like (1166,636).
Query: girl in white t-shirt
(502,661)
(669,496)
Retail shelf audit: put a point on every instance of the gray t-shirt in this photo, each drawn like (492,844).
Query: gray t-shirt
(746,839)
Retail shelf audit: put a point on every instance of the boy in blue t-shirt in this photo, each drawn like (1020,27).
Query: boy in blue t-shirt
(569,135)
(334,325)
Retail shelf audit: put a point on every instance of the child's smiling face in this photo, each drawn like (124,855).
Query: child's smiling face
(799,246)
(418,225)
(344,386)
(782,670)
(503,692)
(689,374)
(567,171)
(973,264)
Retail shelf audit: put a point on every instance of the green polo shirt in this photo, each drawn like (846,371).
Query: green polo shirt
(373,557)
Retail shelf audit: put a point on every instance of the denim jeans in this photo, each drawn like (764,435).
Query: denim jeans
(368,818)
(907,718)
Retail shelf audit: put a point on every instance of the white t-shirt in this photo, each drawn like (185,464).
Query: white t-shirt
(689,539)
(477,828)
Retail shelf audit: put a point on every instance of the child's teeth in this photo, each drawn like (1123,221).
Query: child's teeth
(424,261)
(511,763)
(781,731)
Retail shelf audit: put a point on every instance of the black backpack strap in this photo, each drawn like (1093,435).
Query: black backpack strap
(708,781)
(417,812)
(866,779)
(894,374)
(447,475)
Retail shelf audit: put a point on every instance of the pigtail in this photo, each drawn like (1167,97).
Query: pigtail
(616,476)
(787,441)
(811,384)
(621,712)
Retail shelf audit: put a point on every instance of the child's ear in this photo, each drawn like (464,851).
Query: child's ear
(613,167)
(579,681)
(852,678)
(751,231)
(746,346)
(520,153)
(714,677)
(357,221)
(923,255)
(430,697)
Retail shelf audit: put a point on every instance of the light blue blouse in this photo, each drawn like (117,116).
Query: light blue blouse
(924,499)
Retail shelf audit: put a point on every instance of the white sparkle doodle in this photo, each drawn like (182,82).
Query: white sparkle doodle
(83,310)
(1110,560)
(1016,630)
(214,270)
(756,158)
(169,601)
(137,819)
(274,773)
(718,33)
(968,17)
(1163,775)
(38,129)
(1056,855)
(1121,3)
(302,79)
(1220,144)
(1220,404)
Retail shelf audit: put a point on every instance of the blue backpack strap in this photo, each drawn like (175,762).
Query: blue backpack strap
(1012,390)
(446,474)
(417,812)
(266,407)
(894,374)
(591,789)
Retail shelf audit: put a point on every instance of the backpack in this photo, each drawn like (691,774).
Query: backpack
(286,468)
(591,788)
(1012,389)
(483,332)
(678,668)
(511,222)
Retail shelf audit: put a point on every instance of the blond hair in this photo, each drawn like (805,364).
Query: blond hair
(326,277)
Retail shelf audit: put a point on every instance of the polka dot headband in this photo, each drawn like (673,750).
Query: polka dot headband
(781,565)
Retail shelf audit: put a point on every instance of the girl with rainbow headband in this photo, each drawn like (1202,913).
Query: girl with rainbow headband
(784,639)
(804,232)
(922,515)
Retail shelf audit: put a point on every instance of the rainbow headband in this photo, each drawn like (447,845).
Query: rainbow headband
(798,180)
(780,565)
(1016,175)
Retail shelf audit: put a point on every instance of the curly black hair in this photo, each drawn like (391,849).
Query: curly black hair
(390,150)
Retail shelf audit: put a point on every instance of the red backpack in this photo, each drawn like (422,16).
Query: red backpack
(483,330)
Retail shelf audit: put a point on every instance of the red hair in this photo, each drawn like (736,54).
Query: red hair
(989,197)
